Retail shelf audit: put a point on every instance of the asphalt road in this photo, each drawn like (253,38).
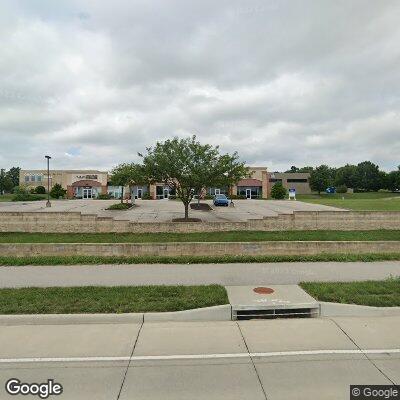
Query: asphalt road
(298,359)
(171,274)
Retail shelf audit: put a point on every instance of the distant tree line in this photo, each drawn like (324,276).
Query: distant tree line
(363,177)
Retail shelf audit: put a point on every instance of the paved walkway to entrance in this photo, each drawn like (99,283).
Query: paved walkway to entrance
(165,210)
(297,359)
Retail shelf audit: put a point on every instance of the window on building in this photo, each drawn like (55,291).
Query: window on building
(26,178)
(274,180)
(295,180)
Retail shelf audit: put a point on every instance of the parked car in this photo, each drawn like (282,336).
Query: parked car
(221,200)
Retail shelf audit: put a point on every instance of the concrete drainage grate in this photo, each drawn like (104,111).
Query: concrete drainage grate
(275,313)
(279,301)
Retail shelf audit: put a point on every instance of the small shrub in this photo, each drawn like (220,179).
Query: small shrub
(20,190)
(237,197)
(278,192)
(104,196)
(146,196)
(172,197)
(40,190)
(341,189)
(208,197)
(119,206)
(26,197)
(57,191)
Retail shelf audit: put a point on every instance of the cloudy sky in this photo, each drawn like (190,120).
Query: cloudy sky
(282,82)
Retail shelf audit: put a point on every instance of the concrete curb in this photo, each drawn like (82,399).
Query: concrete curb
(215,313)
(354,310)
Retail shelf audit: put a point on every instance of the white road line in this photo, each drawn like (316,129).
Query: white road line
(195,356)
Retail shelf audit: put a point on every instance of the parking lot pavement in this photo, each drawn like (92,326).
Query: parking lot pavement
(166,210)
(275,359)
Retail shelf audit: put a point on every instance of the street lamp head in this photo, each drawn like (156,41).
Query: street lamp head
(48,157)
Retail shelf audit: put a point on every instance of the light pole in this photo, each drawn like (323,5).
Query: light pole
(48,204)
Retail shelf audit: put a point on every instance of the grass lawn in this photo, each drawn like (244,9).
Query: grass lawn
(370,293)
(93,260)
(234,236)
(119,299)
(375,201)
(6,197)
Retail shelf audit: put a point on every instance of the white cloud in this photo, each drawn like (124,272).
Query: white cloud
(287,83)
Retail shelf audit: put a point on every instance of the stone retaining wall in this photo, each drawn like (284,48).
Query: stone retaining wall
(197,248)
(299,220)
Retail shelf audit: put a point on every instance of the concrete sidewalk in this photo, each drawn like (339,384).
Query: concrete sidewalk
(195,274)
(275,359)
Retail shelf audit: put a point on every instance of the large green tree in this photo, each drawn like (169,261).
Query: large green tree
(13,174)
(393,180)
(127,174)
(346,176)
(188,166)
(320,178)
(6,183)
(368,177)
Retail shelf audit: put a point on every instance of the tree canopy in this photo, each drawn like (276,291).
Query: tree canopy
(188,166)
(320,178)
(6,183)
(127,174)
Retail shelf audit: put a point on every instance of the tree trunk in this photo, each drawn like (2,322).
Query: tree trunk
(186,210)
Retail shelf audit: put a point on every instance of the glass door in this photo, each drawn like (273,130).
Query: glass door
(166,193)
(87,193)
(139,193)
(248,193)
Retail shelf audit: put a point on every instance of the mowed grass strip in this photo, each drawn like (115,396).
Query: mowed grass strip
(99,260)
(119,299)
(369,293)
(374,201)
(233,236)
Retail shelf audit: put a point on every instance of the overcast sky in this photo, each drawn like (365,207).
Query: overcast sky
(283,83)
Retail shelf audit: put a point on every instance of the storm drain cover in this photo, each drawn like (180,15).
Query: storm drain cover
(263,290)
(275,301)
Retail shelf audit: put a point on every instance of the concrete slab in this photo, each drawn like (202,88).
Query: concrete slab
(323,380)
(84,383)
(216,313)
(84,340)
(283,296)
(355,310)
(176,338)
(182,382)
(294,335)
(276,298)
(372,332)
(390,367)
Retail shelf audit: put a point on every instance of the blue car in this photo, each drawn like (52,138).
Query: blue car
(221,200)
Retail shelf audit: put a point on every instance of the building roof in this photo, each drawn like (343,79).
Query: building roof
(290,175)
(68,171)
(86,182)
(249,182)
